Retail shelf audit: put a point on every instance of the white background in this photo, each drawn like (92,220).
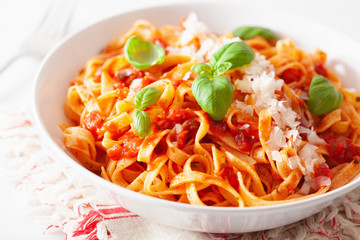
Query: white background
(18,18)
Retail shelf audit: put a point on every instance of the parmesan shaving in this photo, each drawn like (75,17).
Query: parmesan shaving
(187,75)
(258,66)
(135,85)
(323,181)
(276,156)
(244,85)
(312,136)
(247,109)
(277,139)
(309,154)
(186,51)
(264,89)
(293,162)
(305,188)
(259,80)
(193,28)
(178,128)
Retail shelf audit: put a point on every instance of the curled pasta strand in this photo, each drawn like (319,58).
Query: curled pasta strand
(81,144)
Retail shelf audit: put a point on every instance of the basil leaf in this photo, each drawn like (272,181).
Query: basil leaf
(235,53)
(323,96)
(214,97)
(247,32)
(221,68)
(142,123)
(142,54)
(146,97)
(202,69)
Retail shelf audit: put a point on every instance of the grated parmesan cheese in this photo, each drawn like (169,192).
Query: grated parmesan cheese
(187,75)
(276,156)
(305,188)
(277,139)
(323,181)
(178,128)
(247,109)
(258,66)
(135,85)
(312,136)
(244,85)
(259,80)
(294,162)
(193,28)
(185,51)
(310,156)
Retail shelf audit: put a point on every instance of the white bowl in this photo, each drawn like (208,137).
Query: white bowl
(64,62)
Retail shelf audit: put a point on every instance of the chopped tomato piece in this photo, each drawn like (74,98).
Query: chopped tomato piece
(341,148)
(245,134)
(219,127)
(92,122)
(181,139)
(129,147)
(228,173)
(322,170)
(320,69)
(246,137)
(176,82)
(126,76)
(177,114)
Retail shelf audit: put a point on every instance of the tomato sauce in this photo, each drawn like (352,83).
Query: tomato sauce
(218,127)
(245,134)
(122,80)
(341,148)
(177,115)
(228,173)
(190,128)
(92,122)
(129,147)
(176,82)
(322,170)
(320,69)
(127,77)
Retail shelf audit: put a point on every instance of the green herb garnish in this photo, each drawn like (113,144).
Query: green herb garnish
(142,123)
(142,54)
(143,99)
(146,97)
(214,93)
(323,96)
(247,32)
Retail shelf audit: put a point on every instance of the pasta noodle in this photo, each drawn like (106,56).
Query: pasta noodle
(268,149)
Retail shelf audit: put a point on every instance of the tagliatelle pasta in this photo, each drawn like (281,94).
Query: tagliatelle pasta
(269,148)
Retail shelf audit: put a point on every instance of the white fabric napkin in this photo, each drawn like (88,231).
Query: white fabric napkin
(68,204)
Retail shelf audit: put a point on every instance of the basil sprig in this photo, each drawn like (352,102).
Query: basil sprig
(323,96)
(143,99)
(231,56)
(146,97)
(142,123)
(142,54)
(214,96)
(214,93)
(247,32)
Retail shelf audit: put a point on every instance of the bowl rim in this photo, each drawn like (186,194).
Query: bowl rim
(61,155)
